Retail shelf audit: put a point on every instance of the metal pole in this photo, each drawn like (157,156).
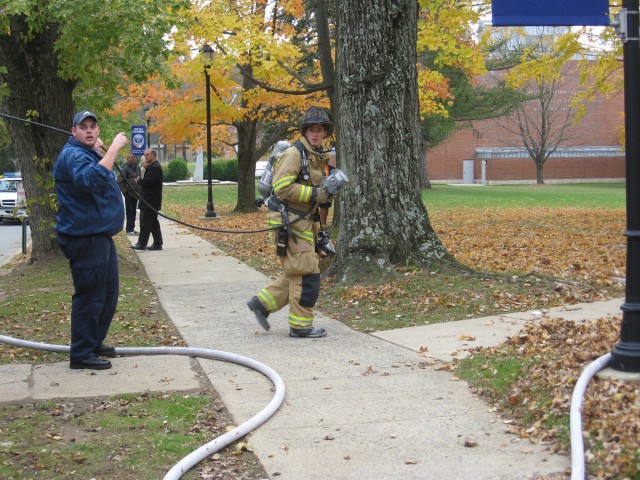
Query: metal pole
(24,235)
(146,117)
(625,356)
(210,210)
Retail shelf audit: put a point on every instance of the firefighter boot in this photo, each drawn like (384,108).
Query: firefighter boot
(312,332)
(260,312)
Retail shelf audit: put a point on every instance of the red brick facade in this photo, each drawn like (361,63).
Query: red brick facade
(591,152)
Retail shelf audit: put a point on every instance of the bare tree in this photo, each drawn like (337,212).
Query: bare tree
(541,124)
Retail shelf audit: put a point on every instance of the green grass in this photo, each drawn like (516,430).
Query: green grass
(494,374)
(122,437)
(597,195)
(139,436)
(423,298)
(197,195)
(36,306)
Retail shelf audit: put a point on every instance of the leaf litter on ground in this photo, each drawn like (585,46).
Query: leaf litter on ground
(554,256)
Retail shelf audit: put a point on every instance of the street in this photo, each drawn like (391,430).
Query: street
(11,239)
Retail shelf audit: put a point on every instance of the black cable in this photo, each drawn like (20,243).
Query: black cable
(136,195)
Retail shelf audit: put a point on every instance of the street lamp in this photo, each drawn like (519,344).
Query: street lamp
(625,356)
(207,59)
(146,117)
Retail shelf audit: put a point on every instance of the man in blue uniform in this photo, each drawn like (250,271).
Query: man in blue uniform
(90,213)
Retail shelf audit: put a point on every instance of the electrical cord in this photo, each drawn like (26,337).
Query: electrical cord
(206,229)
(136,195)
(218,443)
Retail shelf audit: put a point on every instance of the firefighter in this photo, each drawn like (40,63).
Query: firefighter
(299,188)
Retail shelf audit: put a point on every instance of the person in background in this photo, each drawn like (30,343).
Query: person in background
(151,203)
(90,213)
(127,179)
(299,193)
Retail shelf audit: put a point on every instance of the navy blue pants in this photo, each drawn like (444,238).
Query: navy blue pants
(94,269)
(130,204)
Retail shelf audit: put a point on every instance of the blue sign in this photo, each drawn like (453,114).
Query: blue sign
(138,139)
(549,12)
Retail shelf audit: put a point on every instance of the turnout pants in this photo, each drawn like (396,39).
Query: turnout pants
(94,268)
(298,287)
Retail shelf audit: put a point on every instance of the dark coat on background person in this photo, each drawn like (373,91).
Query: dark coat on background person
(151,185)
(128,173)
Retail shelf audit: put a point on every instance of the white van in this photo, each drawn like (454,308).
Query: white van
(10,191)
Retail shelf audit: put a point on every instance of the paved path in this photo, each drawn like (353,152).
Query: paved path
(357,406)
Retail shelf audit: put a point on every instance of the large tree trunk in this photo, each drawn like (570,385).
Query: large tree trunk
(325,49)
(246,166)
(247,135)
(539,171)
(383,221)
(423,167)
(36,92)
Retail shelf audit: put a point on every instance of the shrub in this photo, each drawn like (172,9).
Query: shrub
(217,170)
(223,170)
(176,170)
(231,170)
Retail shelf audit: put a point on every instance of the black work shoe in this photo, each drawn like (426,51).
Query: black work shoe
(307,332)
(103,350)
(133,232)
(92,363)
(260,312)
(155,247)
(137,246)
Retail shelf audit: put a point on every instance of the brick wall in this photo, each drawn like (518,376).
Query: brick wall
(601,126)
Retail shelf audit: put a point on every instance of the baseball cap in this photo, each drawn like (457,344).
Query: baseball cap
(80,116)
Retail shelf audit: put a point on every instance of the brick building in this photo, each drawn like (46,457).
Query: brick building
(490,152)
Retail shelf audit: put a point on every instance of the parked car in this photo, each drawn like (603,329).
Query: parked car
(10,207)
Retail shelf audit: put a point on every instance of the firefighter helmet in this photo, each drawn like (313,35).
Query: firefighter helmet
(316,116)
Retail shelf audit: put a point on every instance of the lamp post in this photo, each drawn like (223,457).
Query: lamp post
(207,58)
(625,356)
(146,117)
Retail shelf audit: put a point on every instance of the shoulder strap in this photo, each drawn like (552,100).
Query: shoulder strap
(304,160)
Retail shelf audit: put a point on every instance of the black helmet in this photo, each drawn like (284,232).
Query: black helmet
(316,116)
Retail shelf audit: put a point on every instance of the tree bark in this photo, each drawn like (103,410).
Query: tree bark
(247,135)
(423,167)
(539,171)
(37,93)
(383,220)
(246,166)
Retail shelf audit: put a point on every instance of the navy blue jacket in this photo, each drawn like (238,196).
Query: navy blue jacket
(89,199)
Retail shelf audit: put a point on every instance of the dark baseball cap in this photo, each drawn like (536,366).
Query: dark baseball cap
(80,116)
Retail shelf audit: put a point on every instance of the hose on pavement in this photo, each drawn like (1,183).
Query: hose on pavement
(218,443)
(575,415)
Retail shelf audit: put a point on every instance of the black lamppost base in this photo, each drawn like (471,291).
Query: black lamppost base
(209,214)
(625,357)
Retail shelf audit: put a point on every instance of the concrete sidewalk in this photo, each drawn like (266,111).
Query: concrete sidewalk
(357,406)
